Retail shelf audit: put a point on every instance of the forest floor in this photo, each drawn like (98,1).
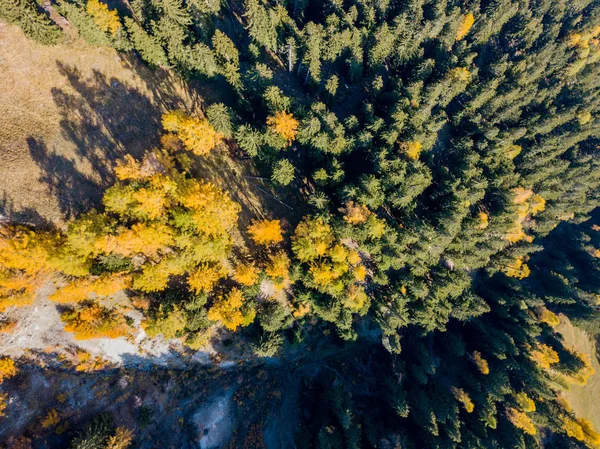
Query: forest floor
(584,399)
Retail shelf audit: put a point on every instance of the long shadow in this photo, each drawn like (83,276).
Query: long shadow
(75,191)
(29,216)
(105,119)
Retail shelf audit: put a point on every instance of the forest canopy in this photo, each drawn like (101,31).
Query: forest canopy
(446,157)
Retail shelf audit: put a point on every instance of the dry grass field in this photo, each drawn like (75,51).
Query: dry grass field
(584,399)
(68,112)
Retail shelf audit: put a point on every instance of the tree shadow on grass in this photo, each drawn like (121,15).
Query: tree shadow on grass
(74,190)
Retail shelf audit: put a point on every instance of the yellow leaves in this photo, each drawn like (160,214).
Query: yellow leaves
(521,195)
(548,317)
(246,274)
(3,403)
(574,39)
(278,269)
(216,212)
(7,368)
(355,213)
(106,19)
(466,24)
(538,204)
(197,135)
(205,277)
(95,321)
(519,269)
(284,124)
(463,397)
(355,298)
(521,421)
(581,429)
(544,356)
(360,273)
(151,203)
(525,403)
(584,117)
(121,439)
(129,169)
(512,151)
(86,363)
(481,363)
(148,239)
(51,419)
(302,310)
(483,220)
(461,74)
(228,310)
(582,376)
(266,232)
(412,149)
(73,292)
(312,239)
(527,204)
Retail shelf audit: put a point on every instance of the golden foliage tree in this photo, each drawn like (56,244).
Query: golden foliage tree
(544,356)
(95,321)
(7,368)
(284,124)
(266,232)
(229,310)
(121,439)
(463,397)
(197,134)
(482,364)
(467,22)
(521,421)
(246,274)
(106,19)
(525,403)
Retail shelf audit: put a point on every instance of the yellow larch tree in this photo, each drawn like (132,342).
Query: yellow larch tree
(463,397)
(266,232)
(525,403)
(246,274)
(95,321)
(106,19)
(548,317)
(521,421)
(467,22)
(206,276)
(518,269)
(228,310)
(7,368)
(481,363)
(284,124)
(355,214)
(25,266)
(544,356)
(197,134)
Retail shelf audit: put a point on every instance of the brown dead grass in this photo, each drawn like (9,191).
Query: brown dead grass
(66,113)
(583,399)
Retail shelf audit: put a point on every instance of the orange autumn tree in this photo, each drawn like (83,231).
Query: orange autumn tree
(284,124)
(266,232)
(25,264)
(197,134)
(106,19)
(95,321)
(229,310)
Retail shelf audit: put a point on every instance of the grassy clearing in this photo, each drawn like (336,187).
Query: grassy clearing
(584,399)
(68,112)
